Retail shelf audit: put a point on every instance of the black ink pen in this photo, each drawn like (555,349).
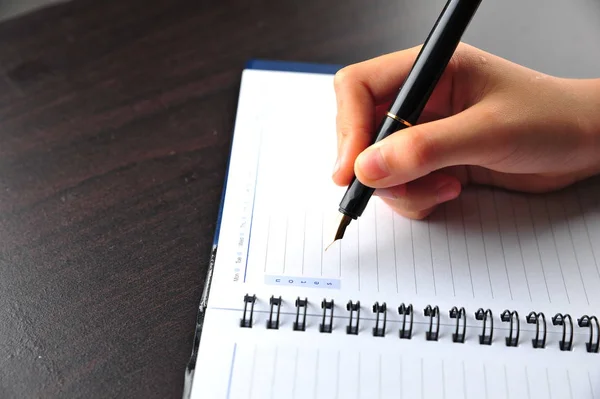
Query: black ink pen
(414,93)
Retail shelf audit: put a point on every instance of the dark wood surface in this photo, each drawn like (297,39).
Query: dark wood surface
(115,123)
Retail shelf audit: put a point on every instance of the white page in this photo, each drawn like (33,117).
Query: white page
(488,246)
(259,363)
(488,249)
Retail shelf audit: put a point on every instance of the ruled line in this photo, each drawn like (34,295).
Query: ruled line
(274,370)
(413,256)
(556,250)
(487,264)
(252,369)
(431,256)
(303,242)
(358,377)
(485,381)
(464,378)
(501,242)
(337,376)
(449,251)
(564,208)
(462,215)
(443,381)
(322,238)
(537,244)
(587,230)
(517,231)
(422,381)
(267,243)
(569,381)
(506,381)
(285,242)
(316,374)
(548,381)
(527,383)
(340,264)
(395,257)
(231,370)
(295,374)
(376,244)
(358,250)
(402,382)
(379,379)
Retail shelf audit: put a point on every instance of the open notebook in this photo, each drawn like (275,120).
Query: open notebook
(493,296)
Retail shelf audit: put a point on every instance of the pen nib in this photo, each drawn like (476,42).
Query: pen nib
(344,221)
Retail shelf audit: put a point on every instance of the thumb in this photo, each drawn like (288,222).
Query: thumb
(467,138)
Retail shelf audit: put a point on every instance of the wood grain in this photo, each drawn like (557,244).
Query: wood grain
(115,124)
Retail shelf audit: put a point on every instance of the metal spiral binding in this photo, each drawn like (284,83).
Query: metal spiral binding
(353,307)
(406,311)
(326,305)
(300,303)
(274,325)
(513,318)
(485,315)
(433,332)
(586,321)
(560,319)
(459,314)
(431,313)
(379,309)
(532,318)
(247,323)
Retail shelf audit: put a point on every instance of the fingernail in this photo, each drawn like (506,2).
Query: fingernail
(336,167)
(447,192)
(372,165)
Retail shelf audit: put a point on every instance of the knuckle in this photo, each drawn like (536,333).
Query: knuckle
(421,151)
(494,113)
(343,77)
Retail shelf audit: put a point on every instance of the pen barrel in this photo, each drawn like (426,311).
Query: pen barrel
(357,195)
(433,58)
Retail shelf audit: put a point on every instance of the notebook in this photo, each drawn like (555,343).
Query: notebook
(496,295)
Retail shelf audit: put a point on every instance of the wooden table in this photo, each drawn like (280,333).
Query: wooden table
(115,124)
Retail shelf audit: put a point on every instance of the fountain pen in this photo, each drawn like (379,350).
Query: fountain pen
(436,52)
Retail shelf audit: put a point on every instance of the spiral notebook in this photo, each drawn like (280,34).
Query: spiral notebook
(496,295)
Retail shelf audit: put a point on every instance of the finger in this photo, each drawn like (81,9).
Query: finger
(523,182)
(367,85)
(468,138)
(418,215)
(422,194)
(361,92)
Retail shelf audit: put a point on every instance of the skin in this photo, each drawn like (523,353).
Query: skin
(489,121)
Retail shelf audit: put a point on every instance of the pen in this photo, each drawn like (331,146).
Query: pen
(413,94)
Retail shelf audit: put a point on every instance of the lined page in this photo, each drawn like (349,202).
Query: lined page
(488,245)
(255,362)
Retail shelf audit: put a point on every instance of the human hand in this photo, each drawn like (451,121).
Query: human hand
(489,121)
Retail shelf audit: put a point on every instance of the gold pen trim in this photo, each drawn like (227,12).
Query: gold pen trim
(405,123)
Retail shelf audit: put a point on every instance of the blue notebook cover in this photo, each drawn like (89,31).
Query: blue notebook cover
(264,65)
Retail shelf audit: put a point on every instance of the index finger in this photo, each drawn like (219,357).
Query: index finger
(359,89)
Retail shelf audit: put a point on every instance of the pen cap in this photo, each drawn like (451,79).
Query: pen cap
(433,58)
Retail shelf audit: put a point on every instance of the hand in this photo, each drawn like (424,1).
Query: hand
(489,121)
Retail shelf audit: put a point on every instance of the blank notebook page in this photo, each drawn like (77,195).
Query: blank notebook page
(489,249)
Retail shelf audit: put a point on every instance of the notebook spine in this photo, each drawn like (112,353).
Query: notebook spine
(432,321)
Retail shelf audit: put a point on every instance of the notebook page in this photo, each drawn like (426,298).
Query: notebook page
(283,363)
(487,248)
